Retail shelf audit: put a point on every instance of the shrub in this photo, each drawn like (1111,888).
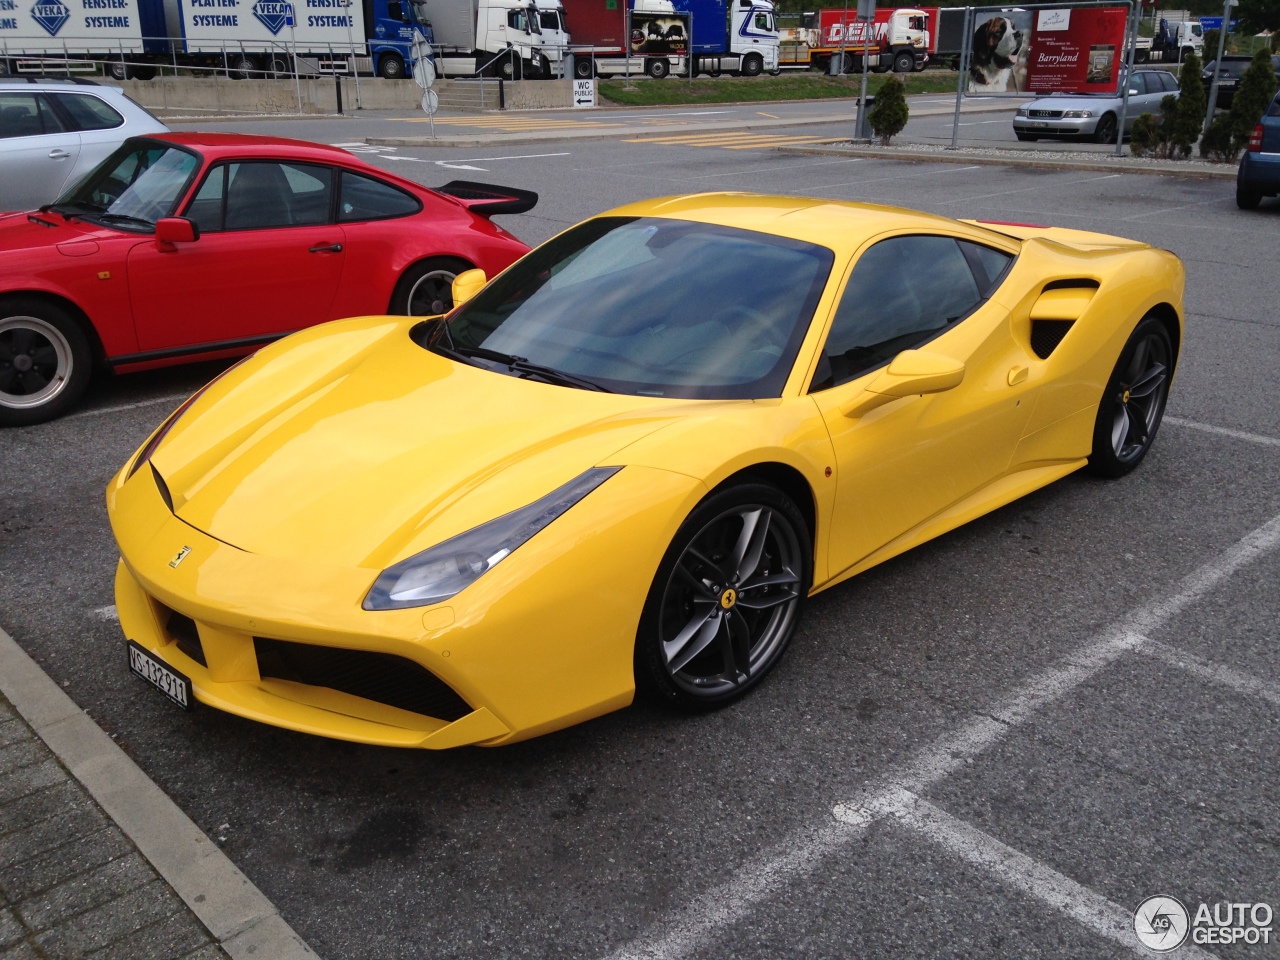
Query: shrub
(890,113)
(1253,96)
(1150,135)
(1189,113)
(1217,144)
(1211,43)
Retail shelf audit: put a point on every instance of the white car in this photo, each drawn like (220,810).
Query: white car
(53,132)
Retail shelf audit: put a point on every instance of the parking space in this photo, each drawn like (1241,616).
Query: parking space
(992,746)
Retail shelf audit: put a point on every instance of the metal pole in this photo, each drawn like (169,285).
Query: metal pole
(297,84)
(1132,32)
(844,33)
(966,33)
(1217,65)
(351,45)
(862,97)
(626,48)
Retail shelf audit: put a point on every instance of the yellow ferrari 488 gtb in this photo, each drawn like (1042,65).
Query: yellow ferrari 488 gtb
(625,462)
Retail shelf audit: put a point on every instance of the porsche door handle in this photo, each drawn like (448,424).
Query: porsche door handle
(58,154)
(326,248)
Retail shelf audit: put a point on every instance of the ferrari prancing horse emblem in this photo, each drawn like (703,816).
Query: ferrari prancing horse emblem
(728,598)
(179,557)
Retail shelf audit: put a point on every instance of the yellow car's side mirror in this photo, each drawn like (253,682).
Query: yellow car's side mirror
(911,372)
(467,284)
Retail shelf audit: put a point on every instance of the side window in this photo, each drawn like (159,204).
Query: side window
(364,198)
(206,207)
(26,115)
(762,21)
(1170,82)
(903,292)
(515,19)
(988,265)
(88,113)
(1137,84)
(261,195)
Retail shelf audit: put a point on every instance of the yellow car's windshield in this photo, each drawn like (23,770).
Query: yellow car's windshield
(650,306)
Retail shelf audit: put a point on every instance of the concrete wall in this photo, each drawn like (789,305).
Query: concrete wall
(212,96)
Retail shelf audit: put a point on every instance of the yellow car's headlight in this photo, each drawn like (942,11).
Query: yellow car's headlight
(444,570)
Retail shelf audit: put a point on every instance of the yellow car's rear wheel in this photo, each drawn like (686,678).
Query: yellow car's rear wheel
(1133,403)
(726,598)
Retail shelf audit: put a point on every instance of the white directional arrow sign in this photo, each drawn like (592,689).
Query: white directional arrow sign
(584,93)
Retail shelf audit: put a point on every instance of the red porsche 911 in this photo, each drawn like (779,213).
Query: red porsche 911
(192,246)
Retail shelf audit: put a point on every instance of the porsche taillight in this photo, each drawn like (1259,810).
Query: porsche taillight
(1255,140)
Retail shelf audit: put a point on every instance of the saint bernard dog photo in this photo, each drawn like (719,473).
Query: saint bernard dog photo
(998,56)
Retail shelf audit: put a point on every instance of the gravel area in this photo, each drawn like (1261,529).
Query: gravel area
(1057,156)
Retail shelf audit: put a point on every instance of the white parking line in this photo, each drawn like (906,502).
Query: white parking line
(1225,431)
(95,411)
(1216,673)
(1087,908)
(106,614)
(463,164)
(735,899)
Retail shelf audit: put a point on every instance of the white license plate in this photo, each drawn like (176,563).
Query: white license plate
(161,676)
(1037,123)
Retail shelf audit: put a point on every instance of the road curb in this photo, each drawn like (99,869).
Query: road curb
(1124,165)
(232,908)
(637,130)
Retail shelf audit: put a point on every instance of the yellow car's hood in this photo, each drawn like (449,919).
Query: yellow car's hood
(355,446)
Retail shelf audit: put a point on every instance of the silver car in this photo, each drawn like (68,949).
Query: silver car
(1095,116)
(53,132)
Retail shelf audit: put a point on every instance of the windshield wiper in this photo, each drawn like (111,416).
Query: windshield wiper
(522,365)
(124,218)
(446,350)
(69,210)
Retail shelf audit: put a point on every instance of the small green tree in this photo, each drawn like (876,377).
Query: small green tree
(1211,43)
(1150,134)
(890,113)
(1217,144)
(1253,96)
(1189,116)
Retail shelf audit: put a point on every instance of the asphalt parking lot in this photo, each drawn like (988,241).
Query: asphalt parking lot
(997,745)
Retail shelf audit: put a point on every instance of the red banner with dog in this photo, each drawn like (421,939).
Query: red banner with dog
(1029,50)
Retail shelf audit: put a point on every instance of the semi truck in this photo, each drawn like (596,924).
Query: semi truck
(610,38)
(241,37)
(470,36)
(900,40)
(737,36)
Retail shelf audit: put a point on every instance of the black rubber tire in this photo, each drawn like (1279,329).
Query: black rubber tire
(904,63)
(1026,137)
(74,346)
(117,70)
(242,67)
(657,67)
(391,67)
(1103,459)
(142,73)
(1105,131)
(653,678)
(752,65)
(278,65)
(1247,198)
(583,68)
(409,280)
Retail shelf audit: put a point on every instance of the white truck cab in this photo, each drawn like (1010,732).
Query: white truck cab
(555,34)
(753,30)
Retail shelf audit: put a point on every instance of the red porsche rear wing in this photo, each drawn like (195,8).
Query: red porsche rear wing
(486,199)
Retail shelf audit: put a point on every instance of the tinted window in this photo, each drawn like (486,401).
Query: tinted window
(264,195)
(88,113)
(1170,82)
(1274,111)
(762,21)
(655,307)
(206,207)
(26,115)
(988,265)
(903,292)
(1138,85)
(364,198)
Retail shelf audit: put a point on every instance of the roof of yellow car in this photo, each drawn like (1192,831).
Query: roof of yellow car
(842,225)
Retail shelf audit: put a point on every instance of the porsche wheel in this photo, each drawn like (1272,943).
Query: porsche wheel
(45,362)
(1134,401)
(726,598)
(426,288)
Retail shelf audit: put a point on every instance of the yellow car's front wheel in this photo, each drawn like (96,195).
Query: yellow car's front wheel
(726,598)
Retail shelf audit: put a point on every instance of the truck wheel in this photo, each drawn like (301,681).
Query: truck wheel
(1186,52)
(117,70)
(658,68)
(45,361)
(142,73)
(241,66)
(919,67)
(583,68)
(752,65)
(278,65)
(391,67)
(903,62)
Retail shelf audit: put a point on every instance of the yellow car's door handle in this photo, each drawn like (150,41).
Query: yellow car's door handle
(1017,375)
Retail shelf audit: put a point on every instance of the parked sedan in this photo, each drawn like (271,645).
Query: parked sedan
(1229,74)
(1094,116)
(1259,173)
(53,132)
(193,246)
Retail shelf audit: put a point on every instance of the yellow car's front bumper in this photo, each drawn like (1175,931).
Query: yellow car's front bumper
(542,641)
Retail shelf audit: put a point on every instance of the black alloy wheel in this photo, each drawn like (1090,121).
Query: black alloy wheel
(1133,403)
(45,362)
(1105,131)
(726,598)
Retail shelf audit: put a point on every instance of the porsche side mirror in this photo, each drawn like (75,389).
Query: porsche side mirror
(467,284)
(171,230)
(911,372)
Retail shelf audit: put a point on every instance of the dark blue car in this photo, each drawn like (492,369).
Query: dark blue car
(1259,174)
